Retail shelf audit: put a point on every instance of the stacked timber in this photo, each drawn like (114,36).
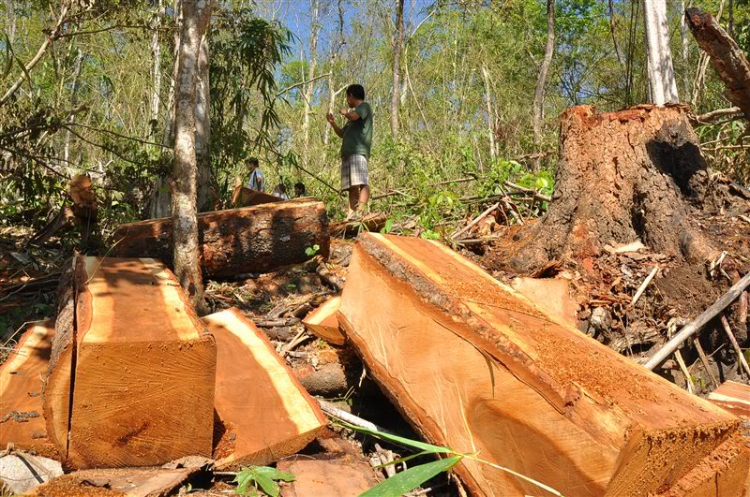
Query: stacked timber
(248,240)
(265,413)
(132,369)
(477,367)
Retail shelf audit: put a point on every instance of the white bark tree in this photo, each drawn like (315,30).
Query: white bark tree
(196,17)
(203,125)
(541,82)
(490,115)
(310,85)
(661,76)
(398,42)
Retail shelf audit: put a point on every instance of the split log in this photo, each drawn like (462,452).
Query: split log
(734,397)
(479,369)
(245,197)
(323,323)
(143,367)
(21,416)
(726,56)
(622,176)
(252,239)
(265,412)
(371,222)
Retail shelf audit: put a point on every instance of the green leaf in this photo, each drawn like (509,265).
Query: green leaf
(267,485)
(388,226)
(428,448)
(410,479)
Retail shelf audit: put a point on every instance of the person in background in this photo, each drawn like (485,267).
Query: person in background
(256,181)
(355,148)
(280,191)
(299,190)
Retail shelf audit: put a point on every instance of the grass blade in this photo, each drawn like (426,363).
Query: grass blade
(429,448)
(411,478)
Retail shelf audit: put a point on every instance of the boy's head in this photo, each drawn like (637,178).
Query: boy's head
(252,164)
(354,93)
(299,190)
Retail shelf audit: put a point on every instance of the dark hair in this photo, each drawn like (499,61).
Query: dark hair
(252,161)
(299,187)
(356,91)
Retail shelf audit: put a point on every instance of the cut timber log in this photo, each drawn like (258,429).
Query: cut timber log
(342,476)
(21,416)
(265,412)
(323,323)
(245,197)
(733,397)
(489,372)
(371,222)
(133,482)
(248,240)
(138,364)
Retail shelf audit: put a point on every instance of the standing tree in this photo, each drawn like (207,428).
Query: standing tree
(310,85)
(398,43)
(660,71)
(541,81)
(196,17)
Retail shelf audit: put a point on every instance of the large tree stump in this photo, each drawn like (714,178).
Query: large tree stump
(248,240)
(622,176)
(478,368)
(131,377)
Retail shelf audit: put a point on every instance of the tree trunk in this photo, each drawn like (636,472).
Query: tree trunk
(73,104)
(398,42)
(622,176)
(156,25)
(249,240)
(196,17)
(726,56)
(685,51)
(541,82)
(203,125)
(310,85)
(526,391)
(490,115)
(334,57)
(660,71)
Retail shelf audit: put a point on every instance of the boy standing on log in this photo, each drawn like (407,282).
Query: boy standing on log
(355,148)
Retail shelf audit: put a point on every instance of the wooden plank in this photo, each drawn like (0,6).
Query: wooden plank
(21,381)
(142,373)
(477,367)
(733,397)
(323,323)
(265,412)
(247,240)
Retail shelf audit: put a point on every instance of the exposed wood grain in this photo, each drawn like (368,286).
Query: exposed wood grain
(734,397)
(251,239)
(265,412)
(323,323)
(478,368)
(245,197)
(21,381)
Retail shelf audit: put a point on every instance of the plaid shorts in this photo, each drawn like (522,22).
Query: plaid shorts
(353,171)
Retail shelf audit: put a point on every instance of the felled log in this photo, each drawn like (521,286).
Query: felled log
(143,367)
(265,413)
(477,368)
(21,415)
(245,197)
(726,56)
(338,476)
(733,397)
(252,239)
(371,222)
(323,323)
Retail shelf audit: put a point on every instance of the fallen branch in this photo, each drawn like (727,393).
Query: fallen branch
(644,285)
(709,117)
(730,296)
(704,361)
(733,339)
(536,194)
(475,221)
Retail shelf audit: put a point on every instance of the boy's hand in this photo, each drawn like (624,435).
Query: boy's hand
(344,112)
(330,118)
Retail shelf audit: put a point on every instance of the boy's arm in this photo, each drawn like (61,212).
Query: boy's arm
(336,128)
(350,115)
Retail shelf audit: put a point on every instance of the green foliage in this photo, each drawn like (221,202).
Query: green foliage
(412,478)
(252,478)
(311,251)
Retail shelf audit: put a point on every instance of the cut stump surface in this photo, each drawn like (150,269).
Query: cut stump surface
(323,323)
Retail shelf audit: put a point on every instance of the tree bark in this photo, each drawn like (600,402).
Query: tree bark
(660,71)
(10,12)
(622,176)
(310,86)
(203,125)
(335,50)
(726,56)
(196,17)
(541,82)
(684,52)
(73,104)
(398,42)
(156,24)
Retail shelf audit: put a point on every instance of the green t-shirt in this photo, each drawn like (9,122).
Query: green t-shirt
(358,133)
